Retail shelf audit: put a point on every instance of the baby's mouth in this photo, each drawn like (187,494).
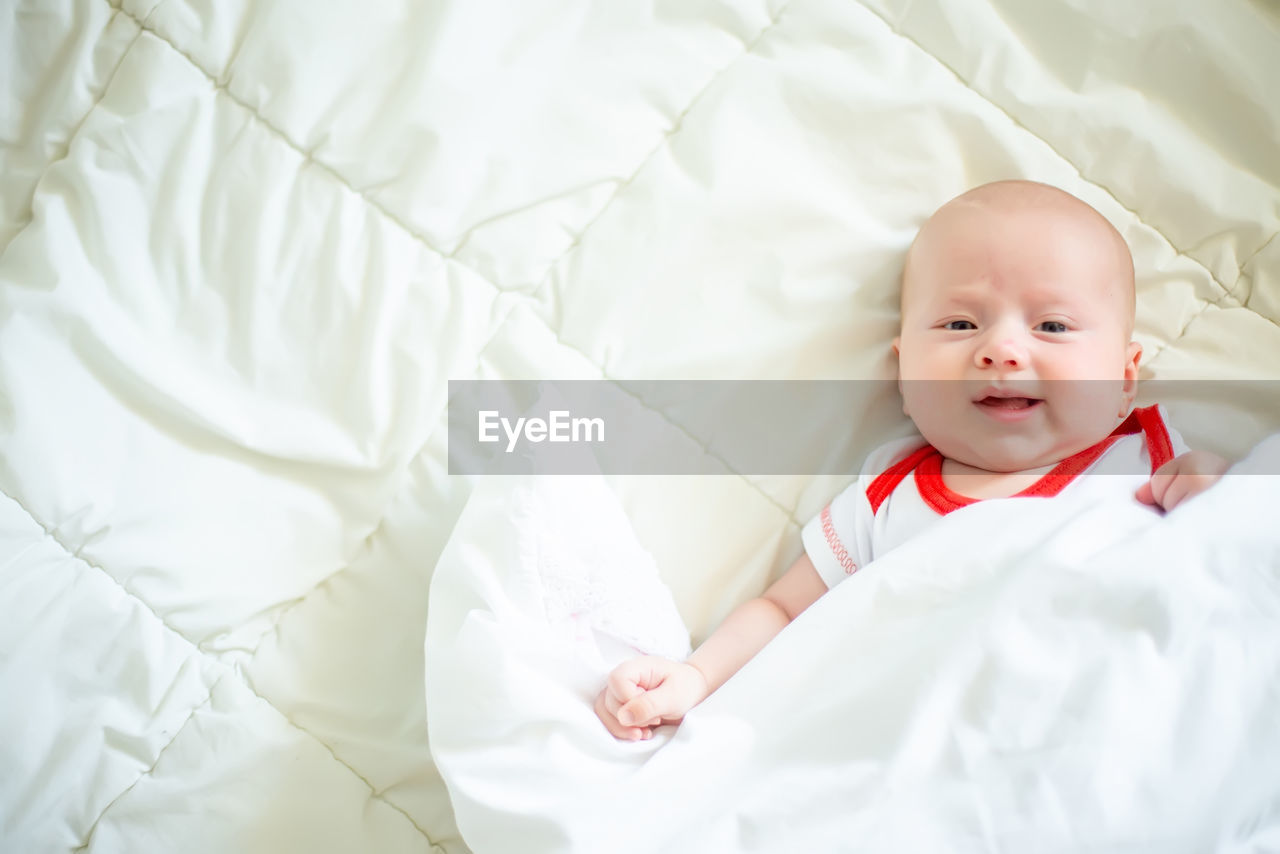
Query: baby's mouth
(1008,403)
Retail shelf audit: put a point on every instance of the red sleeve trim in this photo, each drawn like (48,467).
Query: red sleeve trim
(833,543)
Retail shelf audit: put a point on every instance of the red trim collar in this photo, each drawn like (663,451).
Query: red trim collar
(927,465)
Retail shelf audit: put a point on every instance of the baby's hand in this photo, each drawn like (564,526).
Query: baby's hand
(644,693)
(1181,478)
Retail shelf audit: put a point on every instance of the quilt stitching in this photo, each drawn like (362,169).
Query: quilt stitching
(284,138)
(143,26)
(75,130)
(1017,122)
(227,669)
(1151,357)
(88,838)
(1273,320)
(288,607)
(1217,303)
(531,298)
(333,173)
(789,514)
(676,126)
(1258,251)
(1226,292)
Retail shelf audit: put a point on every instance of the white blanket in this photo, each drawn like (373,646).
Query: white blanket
(1030,675)
(246,245)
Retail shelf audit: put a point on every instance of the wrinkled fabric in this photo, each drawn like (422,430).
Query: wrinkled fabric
(245,246)
(1060,674)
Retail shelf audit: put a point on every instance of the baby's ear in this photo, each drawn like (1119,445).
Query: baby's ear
(1132,357)
(897,351)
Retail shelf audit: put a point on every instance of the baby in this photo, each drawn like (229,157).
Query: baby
(1017,367)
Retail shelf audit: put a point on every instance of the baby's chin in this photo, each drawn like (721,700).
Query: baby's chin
(1003,457)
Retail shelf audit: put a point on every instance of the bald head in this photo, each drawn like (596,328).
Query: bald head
(1055,212)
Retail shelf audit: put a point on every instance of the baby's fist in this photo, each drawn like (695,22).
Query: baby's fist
(1181,478)
(645,693)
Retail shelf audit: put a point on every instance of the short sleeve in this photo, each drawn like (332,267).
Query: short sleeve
(839,539)
(831,538)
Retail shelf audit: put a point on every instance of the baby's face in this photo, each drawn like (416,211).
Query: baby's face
(1015,351)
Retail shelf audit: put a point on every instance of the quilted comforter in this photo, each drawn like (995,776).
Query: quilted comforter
(245,245)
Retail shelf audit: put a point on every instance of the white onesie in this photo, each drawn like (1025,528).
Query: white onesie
(901,492)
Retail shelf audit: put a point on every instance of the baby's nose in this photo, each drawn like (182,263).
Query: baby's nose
(1009,361)
(1003,353)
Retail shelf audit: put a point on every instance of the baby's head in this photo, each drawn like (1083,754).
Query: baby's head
(1015,348)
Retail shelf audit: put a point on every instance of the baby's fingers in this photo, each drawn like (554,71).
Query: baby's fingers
(614,706)
(1183,477)
(1187,486)
(636,697)
(632,678)
(615,727)
(640,712)
(1180,488)
(611,703)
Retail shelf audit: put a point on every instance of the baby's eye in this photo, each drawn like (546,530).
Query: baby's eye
(960,325)
(1052,326)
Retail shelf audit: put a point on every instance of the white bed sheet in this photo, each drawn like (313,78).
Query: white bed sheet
(245,245)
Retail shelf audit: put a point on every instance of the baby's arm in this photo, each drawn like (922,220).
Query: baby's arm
(1181,478)
(644,693)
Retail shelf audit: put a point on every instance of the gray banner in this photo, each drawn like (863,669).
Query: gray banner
(751,427)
